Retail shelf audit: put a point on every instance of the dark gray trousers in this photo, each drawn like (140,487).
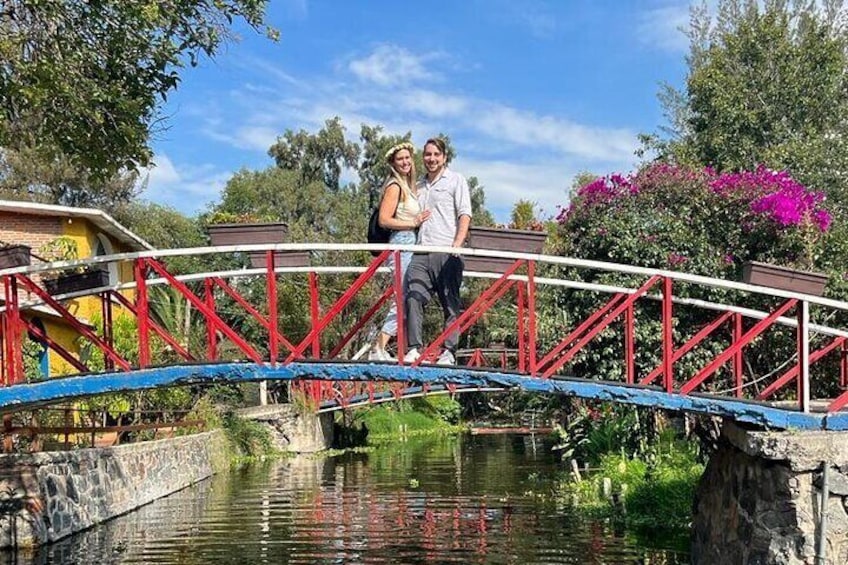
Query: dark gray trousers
(429,272)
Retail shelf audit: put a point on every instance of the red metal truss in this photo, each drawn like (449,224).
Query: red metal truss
(387,294)
(319,325)
(142,312)
(737,346)
(13,363)
(41,336)
(265,322)
(212,319)
(793,373)
(78,326)
(839,403)
(160,331)
(600,326)
(689,345)
(471,314)
(580,330)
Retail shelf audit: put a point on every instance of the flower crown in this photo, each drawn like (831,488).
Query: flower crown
(397,147)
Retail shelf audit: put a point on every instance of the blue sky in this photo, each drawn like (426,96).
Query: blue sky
(530,92)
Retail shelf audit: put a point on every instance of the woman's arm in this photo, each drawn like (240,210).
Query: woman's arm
(388,207)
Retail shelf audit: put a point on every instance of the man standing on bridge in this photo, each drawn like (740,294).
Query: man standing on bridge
(446,195)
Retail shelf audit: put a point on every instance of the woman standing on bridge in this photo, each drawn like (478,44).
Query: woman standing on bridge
(401,213)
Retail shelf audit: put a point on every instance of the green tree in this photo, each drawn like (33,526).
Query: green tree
(161,226)
(33,174)
(481,215)
(523,215)
(766,84)
(373,169)
(82,81)
(317,157)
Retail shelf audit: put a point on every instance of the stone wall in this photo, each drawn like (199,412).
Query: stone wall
(291,431)
(47,496)
(759,499)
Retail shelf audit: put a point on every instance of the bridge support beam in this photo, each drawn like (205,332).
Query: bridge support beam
(762,499)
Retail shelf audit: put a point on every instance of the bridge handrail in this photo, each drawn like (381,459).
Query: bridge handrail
(539,258)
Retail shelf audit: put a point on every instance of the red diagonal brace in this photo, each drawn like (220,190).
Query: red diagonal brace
(839,403)
(161,332)
(470,313)
(63,353)
(362,321)
(689,345)
(602,311)
(263,321)
(334,310)
(207,312)
(601,325)
(792,373)
(749,336)
(74,323)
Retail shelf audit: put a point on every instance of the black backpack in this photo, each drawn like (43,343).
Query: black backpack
(376,232)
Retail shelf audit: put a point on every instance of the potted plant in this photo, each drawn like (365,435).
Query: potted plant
(503,238)
(798,275)
(14,256)
(784,278)
(69,280)
(225,228)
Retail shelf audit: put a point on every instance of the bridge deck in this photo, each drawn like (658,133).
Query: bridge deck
(769,415)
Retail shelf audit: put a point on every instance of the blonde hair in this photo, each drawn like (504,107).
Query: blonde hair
(405,182)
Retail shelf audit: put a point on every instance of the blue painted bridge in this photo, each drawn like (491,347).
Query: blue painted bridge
(421,379)
(700,351)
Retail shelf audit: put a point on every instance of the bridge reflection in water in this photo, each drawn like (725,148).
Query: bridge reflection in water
(315,358)
(483,499)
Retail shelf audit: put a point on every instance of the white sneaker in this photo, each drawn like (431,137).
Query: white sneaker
(411,356)
(379,354)
(446,358)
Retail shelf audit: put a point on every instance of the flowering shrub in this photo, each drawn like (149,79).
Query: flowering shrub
(697,219)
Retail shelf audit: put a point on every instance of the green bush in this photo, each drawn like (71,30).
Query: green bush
(250,438)
(660,486)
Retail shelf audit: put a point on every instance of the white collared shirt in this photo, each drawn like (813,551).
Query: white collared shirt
(447,198)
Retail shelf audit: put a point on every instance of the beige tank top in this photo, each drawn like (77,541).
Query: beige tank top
(408,206)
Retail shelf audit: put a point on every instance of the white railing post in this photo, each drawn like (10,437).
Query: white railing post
(804,355)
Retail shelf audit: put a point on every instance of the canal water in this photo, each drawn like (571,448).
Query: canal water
(467,499)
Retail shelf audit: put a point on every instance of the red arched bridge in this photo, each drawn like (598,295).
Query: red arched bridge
(302,313)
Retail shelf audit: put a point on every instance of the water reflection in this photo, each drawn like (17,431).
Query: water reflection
(461,500)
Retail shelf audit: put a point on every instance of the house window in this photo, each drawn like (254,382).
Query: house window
(43,358)
(104,247)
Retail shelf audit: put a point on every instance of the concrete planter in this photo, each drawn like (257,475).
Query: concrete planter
(281,259)
(75,282)
(14,256)
(246,234)
(498,239)
(783,278)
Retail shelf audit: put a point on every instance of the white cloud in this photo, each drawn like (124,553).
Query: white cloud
(531,16)
(254,138)
(186,188)
(391,65)
(432,104)
(544,183)
(665,27)
(564,136)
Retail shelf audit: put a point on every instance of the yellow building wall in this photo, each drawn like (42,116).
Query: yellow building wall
(88,309)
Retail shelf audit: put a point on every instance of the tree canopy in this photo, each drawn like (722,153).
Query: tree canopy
(82,81)
(767,84)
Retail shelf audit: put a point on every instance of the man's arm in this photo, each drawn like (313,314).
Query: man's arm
(463,212)
(461,230)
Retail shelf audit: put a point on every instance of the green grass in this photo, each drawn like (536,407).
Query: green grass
(428,415)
